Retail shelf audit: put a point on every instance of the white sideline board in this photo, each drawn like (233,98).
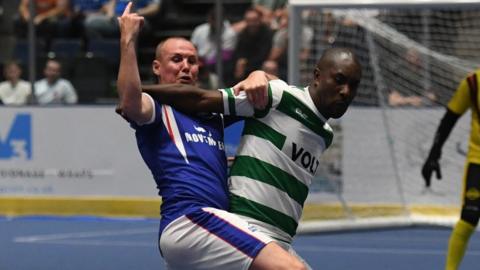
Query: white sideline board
(91,151)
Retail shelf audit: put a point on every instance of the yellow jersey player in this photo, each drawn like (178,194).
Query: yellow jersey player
(465,97)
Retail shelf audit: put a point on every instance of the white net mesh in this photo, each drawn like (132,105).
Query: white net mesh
(413,60)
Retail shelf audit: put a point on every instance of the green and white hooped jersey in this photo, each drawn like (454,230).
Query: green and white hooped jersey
(277,157)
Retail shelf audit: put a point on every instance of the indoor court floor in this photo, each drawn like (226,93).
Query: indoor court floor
(98,244)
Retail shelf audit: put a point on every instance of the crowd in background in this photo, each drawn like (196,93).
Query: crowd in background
(82,37)
(69,30)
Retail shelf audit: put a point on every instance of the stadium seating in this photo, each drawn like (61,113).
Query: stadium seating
(66,47)
(92,78)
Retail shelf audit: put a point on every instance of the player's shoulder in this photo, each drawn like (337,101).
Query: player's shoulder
(292,89)
(280,85)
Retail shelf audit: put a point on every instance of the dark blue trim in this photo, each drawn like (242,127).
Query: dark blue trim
(228,232)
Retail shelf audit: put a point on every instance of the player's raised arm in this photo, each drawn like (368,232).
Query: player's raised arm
(133,105)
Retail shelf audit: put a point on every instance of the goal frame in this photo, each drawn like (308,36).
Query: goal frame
(296,6)
(294,77)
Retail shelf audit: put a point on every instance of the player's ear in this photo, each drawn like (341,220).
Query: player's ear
(316,76)
(156,67)
(316,73)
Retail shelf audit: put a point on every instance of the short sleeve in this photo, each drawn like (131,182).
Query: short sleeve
(236,105)
(154,110)
(460,102)
(240,106)
(155,117)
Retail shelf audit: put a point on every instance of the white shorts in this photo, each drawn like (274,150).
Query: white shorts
(210,239)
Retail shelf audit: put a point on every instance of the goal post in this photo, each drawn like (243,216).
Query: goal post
(297,6)
(414,54)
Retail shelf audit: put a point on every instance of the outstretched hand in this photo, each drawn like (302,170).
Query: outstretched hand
(130,24)
(255,87)
(431,165)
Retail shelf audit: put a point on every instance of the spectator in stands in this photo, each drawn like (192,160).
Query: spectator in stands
(51,18)
(14,91)
(203,37)
(253,46)
(7,33)
(279,51)
(407,82)
(271,10)
(207,79)
(53,89)
(270,67)
(82,9)
(105,24)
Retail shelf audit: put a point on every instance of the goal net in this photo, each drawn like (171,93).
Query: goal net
(413,54)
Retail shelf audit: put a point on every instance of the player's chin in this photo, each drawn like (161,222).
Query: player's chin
(338,110)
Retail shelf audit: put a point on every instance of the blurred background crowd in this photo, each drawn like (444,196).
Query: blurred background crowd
(77,48)
(77,41)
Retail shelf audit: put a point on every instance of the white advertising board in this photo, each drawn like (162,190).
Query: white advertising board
(70,151)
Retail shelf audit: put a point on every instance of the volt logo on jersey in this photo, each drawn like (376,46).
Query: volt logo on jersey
(307,160)
(16,140)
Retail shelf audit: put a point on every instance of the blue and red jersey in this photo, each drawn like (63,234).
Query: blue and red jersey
(186,156)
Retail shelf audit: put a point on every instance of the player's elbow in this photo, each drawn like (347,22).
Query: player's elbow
(210,101)
(130,110)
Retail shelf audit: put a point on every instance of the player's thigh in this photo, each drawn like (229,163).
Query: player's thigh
(272,256)
(295,254)
(471,194)
(210,239)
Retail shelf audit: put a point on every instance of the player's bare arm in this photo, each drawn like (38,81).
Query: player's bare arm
(186,98)
(133,104)
(191,99)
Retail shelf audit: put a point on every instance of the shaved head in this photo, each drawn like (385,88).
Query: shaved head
(336,79)
(159,51)
(334,55)
(176,61)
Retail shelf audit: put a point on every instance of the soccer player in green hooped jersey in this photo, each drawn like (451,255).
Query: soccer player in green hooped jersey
(465,97)
(281,144)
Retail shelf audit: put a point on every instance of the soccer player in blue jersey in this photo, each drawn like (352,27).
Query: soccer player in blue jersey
(187,159)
